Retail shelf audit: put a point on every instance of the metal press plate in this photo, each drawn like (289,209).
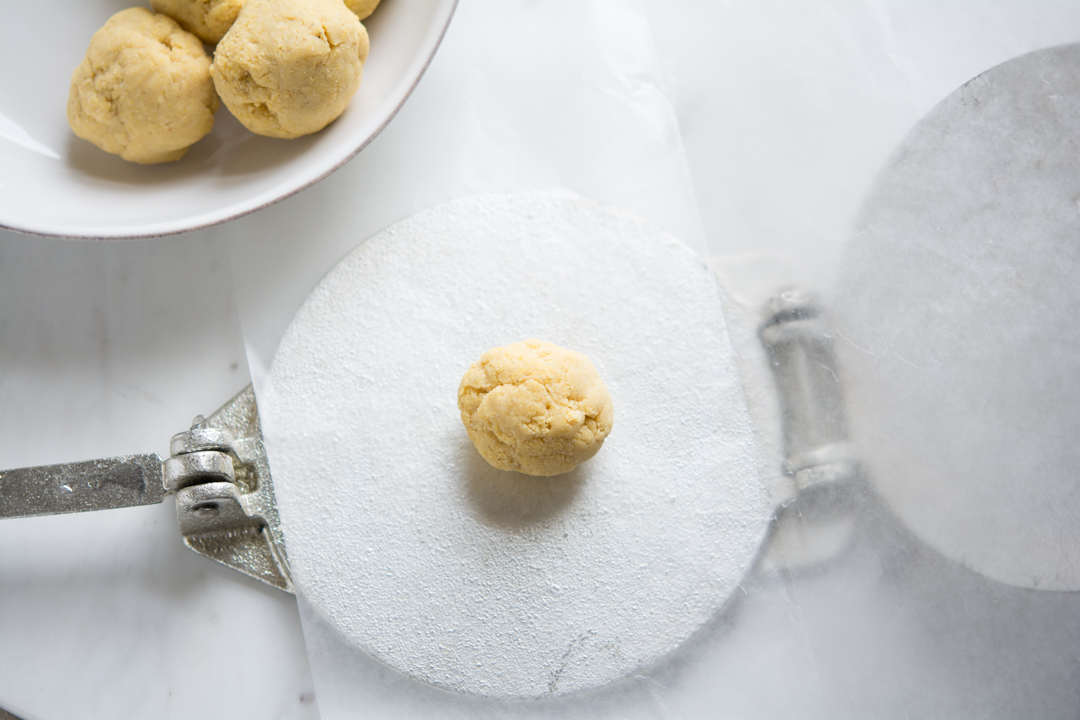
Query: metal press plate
(956,327)
(492,583)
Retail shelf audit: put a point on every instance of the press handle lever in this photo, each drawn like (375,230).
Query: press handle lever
(116,482)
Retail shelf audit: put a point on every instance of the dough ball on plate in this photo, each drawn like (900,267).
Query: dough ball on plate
(209,20)
(143,92)
(535,408)
(362,8)
(288,68)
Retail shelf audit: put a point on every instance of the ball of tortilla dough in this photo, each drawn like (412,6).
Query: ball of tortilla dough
(535,407)
(362,8)
(208,20)
(143,92)
(288,68)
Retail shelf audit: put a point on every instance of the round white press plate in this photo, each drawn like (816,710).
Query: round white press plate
(957,324)
(52,183)
(490,582)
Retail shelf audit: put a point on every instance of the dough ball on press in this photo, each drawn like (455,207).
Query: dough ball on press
(209,20)
(288,68)
(362,8)
(535,407)
(143,92)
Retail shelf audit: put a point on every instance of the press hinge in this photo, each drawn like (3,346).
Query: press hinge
(218,472)
(224,495)
(800,351)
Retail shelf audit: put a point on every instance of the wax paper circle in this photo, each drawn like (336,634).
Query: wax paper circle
(490,582)
(956,324)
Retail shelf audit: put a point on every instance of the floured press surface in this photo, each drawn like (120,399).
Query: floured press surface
(484,581)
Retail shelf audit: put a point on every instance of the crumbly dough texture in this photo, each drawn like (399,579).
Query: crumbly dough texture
(288,68)
(362,8)
(535,407)
(143,92)
(208,20)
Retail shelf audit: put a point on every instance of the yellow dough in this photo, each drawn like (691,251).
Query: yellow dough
(209,20)
(143,92)
(288,68)
(362,8)
(535,408)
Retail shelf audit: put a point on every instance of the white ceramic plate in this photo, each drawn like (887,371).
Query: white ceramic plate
(52,183)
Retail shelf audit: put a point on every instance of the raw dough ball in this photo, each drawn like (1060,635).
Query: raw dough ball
(288,68)
(208,19)
(144,90)
(362,8)
(535,408)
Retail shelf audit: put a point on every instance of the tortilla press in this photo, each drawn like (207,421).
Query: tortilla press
(425,557)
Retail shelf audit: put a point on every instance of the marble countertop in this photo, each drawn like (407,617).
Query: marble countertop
(757,130)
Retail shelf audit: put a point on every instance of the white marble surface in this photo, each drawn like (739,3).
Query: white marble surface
(778,115)
(108,349)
